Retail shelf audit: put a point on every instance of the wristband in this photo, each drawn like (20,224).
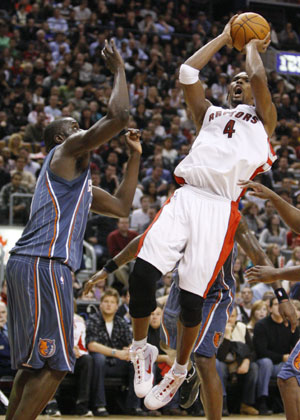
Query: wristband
(188,75)
(110,266)
(281,294)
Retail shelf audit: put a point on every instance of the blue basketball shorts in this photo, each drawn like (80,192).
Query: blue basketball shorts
(292,366)
(217,307)
(40,313)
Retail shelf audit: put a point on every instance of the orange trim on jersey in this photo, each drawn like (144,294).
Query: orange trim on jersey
(227,244)
(141,241)
(60,312)
(55,220)
(179,180)
(69,244)
(207,319)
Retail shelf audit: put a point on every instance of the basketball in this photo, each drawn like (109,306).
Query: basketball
(248,26)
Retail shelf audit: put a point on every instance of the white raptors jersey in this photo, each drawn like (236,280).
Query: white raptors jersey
(231,145)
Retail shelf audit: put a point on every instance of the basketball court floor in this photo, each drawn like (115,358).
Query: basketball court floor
(115,417)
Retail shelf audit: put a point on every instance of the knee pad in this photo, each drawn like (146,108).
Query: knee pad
(190,308)
(142,288)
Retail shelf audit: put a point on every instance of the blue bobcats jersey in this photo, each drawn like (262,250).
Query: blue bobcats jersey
(58,217)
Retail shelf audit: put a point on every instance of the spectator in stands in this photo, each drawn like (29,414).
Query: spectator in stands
(109,180)
(157,178)
(236,356)
(20,204)
(4,174)
(5,365)
(259,311)
(116,241)
(18,118)
(57,23)
(273,233)
(123,310)
(273,342)
(166,281)
(288,38)
(152,211)
(78,102)
(52,109)
(97,230)
(250,212)
(268,212)
(245,307)
(140,217)
(28,179)
(34,132)
(108,337)
(6,128)
(30,165)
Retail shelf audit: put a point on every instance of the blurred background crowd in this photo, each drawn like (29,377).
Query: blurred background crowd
(51,67)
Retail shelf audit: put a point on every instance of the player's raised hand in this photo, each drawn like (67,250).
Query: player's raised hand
(100,275)
(261,44)
(259,190)
(227,31)
(111,56)
(133,140)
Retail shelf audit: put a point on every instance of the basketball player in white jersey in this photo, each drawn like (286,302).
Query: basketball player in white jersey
(196,226)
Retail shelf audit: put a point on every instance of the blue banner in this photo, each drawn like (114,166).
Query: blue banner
(288,63)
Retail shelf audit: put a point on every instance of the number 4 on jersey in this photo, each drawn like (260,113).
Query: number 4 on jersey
(229,130)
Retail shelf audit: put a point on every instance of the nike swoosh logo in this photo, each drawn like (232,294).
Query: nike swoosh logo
(149,370)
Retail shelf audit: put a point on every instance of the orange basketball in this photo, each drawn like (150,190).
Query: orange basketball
(248,26)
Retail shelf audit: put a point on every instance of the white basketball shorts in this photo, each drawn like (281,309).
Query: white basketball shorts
(197,229)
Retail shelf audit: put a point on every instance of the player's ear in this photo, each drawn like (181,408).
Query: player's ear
(59,138)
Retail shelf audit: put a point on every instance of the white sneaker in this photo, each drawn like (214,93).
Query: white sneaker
(162,393)
(143,360)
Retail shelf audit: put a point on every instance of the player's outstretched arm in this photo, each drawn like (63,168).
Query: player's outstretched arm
(117,113)
(289,213)
(189,74)
(127,254)
(256,72)
(253,249)
(119,204)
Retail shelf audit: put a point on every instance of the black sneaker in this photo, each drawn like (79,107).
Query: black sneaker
(52,409)
(83,411)
(263,408)
(189,389)
(100,412)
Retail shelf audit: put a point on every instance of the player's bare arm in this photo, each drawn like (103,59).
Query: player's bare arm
(127,254)
(256,72)
(119,204)
(74,151)
(194,93)
(289,213)
(253,249)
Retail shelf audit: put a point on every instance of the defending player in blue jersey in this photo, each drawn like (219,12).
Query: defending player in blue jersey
(216,309)
(40,298)
(289,376)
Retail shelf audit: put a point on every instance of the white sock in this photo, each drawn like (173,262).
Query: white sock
(179,369)
(139,343)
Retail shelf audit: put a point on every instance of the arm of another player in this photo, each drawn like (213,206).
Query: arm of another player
(252,247)
(189,71)
(119,204)
(117,113)
(127,254)
(256,72)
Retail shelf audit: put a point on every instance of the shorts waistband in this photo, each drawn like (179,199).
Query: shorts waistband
(30,259)
(207,194)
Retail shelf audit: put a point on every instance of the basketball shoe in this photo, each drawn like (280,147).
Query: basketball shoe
(162,393)
(143,360)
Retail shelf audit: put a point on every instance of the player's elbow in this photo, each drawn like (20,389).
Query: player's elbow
(119,117)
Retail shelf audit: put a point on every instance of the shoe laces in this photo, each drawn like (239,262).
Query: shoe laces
(191,375)
(166,386)
(138,360)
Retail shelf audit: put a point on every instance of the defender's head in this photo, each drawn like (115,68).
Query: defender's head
(58,131)
(240,91)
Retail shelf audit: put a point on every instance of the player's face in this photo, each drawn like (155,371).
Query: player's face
(71,127)
(240,90)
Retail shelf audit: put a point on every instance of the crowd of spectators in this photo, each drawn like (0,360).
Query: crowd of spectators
(51,67)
